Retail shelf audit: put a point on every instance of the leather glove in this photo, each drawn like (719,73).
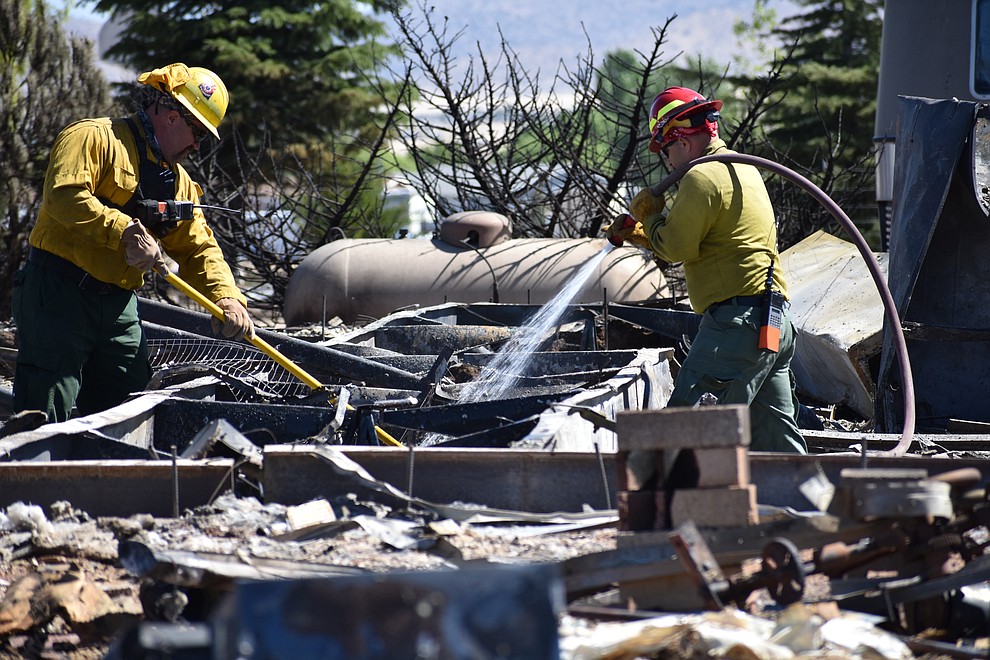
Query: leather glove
(626,228)
(237,325)
(645,204)
(140,249)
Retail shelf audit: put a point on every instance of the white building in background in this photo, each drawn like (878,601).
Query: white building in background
(420,214)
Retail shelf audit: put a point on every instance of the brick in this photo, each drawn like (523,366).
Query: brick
(679,428)
(722,466)
(715,507)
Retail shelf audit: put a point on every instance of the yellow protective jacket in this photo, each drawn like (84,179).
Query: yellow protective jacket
(97,158)
(722,226)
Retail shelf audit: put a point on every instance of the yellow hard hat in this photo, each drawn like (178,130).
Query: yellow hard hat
(199,90)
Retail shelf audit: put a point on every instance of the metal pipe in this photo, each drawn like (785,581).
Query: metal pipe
(175,483)
(467,242)
(605,316)
(890,308)
(604,473)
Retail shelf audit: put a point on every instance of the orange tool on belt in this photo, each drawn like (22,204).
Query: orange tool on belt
(772,316)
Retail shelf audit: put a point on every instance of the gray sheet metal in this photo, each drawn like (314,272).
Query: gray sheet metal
(646,382)
(907,67)
(938,271)
(124,431)
(838,314)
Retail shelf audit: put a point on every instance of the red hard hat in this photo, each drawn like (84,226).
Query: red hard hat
(673,107)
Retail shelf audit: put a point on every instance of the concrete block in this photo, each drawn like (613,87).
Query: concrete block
(715,507)
(722,466)
(680,428)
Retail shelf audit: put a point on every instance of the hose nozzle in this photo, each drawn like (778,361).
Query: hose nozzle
(621,223)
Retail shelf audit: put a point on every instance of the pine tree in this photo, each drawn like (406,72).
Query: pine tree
(828,99)
(296,69)
(47,80)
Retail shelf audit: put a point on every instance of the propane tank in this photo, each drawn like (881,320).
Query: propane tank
(473,260)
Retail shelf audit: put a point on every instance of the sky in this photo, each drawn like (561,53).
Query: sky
(544,32)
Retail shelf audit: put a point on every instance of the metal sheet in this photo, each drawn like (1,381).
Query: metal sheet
(124,431)
(838,314)
(177,422)
(644,383)
(938,272)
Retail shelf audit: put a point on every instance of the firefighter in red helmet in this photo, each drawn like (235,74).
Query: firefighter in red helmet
(678,112)
(722,227)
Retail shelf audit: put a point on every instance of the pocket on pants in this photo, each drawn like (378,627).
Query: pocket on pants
(38,358)
(15,298)
(689,391)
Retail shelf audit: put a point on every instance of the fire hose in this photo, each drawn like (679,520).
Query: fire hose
(890,308)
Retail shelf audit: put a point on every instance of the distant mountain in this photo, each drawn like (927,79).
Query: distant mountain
(545,33)
(88,25)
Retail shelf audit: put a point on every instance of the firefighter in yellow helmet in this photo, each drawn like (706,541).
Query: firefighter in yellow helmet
(721,226)
(81,345)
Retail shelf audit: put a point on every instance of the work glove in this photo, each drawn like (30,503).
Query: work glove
(140,249)
(626,228)
(237,322)
(646,205)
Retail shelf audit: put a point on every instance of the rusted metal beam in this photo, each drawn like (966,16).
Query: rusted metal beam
(536,481)
(521,480)
(541,481)
(114,488)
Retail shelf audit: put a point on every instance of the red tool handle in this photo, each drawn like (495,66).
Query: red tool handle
(627,222)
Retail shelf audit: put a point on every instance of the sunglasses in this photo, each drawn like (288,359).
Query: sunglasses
(199,133)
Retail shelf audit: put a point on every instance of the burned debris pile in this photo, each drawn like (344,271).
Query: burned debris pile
(891,562)
(230,510)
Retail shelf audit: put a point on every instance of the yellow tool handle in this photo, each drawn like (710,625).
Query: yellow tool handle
(263,345)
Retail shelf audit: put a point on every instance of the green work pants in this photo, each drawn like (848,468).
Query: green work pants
(726,361)
(75,348)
